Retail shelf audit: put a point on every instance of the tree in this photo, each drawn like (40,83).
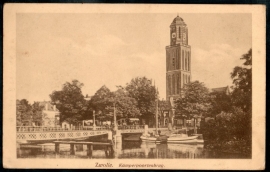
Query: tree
(125,105)
(37,113)
(242,80)
(24,112)
(195,100)
(231,129)
(104,100)
(70,102)
(142,90)
(98,103)
(221,102)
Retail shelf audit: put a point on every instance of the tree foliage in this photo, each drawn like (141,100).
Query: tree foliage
(37,113)
(195,100)
(104,100)
(242,80)
(98,103)
(221,102)
(70,102)
(142,90)
(27,114)
(231,129)
(126,106)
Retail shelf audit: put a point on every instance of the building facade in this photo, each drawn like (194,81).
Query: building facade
(178,59)
(50,115)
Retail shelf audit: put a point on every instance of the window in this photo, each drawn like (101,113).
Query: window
(179,60)
(179,35)
(188,61)
(185,68)
(173,84)
(178,82)
(183,59)
(176,59)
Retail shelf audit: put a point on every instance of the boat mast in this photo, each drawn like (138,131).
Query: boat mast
(156,114)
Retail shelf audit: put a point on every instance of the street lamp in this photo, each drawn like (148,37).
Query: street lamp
(87,98)
(94,120)
(114,117)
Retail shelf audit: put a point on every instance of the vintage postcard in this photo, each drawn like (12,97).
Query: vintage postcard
(111,86)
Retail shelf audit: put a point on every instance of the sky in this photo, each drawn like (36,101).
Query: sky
(111,49)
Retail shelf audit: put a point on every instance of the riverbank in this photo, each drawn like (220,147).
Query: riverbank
(236,147)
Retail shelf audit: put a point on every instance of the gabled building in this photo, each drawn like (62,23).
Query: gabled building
(225,90)
(164,113)
(50,115)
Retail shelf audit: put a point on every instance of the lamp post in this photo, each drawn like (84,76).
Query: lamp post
(94,121)
(114,117)
(156,116)
(87,98)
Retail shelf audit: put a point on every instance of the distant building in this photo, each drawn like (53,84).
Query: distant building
(50,115)
(164,109)
(225,90)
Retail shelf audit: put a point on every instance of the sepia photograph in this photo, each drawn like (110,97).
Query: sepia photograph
(120,87)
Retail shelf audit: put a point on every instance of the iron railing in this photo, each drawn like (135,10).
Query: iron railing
(51,129)
(127,127)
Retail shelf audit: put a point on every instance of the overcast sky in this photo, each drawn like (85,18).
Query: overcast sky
(111,49)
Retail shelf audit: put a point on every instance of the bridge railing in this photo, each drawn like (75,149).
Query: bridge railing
(48,129)
(127,127)
(55,129)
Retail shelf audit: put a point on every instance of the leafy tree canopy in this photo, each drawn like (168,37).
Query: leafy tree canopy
(194,101)
(142,90)
(242,80)
(70,101)
(26,113)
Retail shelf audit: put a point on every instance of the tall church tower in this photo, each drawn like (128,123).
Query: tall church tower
(178,59)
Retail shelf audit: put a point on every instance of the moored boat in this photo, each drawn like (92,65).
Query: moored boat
(156,139)
(182,138)
(177,136)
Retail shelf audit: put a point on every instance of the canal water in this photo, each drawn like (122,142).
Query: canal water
(126,150)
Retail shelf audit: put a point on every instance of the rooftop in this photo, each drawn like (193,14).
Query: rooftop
(178,20)
(221,89)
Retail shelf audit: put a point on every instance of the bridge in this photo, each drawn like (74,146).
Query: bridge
(45,134)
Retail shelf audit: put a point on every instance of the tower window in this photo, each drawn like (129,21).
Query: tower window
(183,59)
(179,35)
(185,63)
(178,82)
(188,61)
(173,84)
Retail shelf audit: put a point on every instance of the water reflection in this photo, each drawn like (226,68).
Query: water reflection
(160,151)
(125,150)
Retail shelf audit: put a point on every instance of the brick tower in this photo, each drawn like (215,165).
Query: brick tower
(178,59)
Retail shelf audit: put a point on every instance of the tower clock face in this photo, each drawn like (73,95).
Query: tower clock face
(173,35)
